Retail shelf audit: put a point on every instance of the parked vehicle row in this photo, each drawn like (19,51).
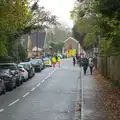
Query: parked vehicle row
(13,75)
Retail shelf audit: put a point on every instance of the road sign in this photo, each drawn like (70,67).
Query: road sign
(95,50)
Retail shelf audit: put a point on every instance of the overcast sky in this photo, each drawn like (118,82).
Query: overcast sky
(60,8)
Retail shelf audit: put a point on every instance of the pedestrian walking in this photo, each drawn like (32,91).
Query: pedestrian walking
(85,64)
(59,60)
(74,61)
(91,64)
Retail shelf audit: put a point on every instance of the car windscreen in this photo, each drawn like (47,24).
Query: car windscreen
(11,67)
(46,59)
(34,61)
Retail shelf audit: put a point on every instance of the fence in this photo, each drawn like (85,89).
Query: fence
(109,66)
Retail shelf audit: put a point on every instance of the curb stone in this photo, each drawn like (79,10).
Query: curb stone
(77,112)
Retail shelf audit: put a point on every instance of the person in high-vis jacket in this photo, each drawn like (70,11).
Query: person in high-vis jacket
(59,60)
(53,61)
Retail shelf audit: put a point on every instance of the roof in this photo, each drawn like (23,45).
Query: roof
(71,39)
(37,39)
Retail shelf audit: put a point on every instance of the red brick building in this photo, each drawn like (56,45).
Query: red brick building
(71,43)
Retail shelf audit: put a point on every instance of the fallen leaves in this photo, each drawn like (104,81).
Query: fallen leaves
(110,97)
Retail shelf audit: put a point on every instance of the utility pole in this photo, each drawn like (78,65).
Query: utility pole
(37,41)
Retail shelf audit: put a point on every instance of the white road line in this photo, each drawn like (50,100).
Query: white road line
(38,84)
(1,110)
(42,80)
(13,102)
(33,89)
(26,94)
(47,77)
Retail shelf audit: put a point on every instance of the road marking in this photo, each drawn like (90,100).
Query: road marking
(1,110)
(42,80)
(38,84)
(26,94)
(13,102)
(33,89)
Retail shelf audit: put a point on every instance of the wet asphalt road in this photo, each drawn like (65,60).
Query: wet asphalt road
(50,95)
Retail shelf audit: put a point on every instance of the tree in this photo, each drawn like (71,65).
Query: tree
(21,52)
(94,17)
(18,17)
(85,26)
(57,46)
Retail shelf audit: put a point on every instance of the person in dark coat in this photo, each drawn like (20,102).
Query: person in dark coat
(74,61)
(85,64)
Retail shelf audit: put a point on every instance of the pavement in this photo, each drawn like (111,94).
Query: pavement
(50,95)
(91,106)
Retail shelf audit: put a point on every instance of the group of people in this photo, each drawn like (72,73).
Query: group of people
(85,62)
(55,60)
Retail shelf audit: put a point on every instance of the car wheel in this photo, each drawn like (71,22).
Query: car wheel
(39,70)
(4,90)
(11,88)
(18,83)
(21,82)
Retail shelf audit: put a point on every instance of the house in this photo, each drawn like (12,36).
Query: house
(34,41)
(71,44)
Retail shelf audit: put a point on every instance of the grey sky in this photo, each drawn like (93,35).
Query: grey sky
(60,8)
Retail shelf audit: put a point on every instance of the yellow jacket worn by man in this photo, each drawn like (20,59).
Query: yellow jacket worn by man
(53,61)
(59,59)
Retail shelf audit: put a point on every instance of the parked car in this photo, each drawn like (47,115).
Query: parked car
(24,72)
(42,63)
(14,70)
(10,80)
(2,86)
(37,64)
(47,62)
(30,69)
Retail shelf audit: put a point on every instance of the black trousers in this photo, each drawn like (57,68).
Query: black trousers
(91,68)
(85,69)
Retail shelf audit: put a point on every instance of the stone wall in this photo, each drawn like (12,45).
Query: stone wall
(109,67)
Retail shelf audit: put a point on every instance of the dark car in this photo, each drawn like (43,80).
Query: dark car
(2,86)
(42,63)
(14,69)
(37,63)
(9,79)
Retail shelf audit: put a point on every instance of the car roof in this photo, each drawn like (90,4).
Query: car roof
(46,58)
(8,64)
(25,63)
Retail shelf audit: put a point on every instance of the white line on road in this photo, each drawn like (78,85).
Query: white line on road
(47,77)
(38,84)
(33,89)
(13,102)
(1,110)
(26,94)
(42,80)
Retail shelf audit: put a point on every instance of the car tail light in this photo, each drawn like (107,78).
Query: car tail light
(22,70)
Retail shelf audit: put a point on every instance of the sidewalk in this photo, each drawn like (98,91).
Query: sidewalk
(92,109)
(101,98)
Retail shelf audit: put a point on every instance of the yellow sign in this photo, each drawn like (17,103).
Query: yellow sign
(70,53)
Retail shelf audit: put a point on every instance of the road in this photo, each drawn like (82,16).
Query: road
(50,95)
